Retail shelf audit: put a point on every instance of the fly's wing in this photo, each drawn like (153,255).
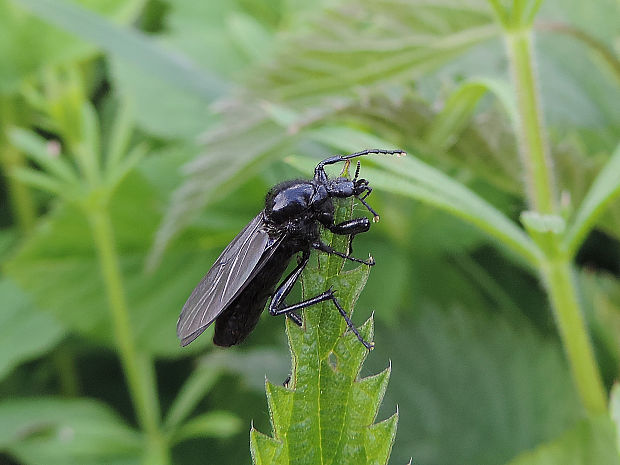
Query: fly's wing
(232,271)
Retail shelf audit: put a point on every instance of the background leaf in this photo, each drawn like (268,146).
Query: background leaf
(127,44)
(603,190)
(590,442)
(466,378)
(25,331)
(335,61)
(26,42)
(61,252)
(74,431)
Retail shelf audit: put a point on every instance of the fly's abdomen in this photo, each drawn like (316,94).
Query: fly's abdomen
(243,313)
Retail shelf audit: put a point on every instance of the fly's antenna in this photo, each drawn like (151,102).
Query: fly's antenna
(398,153)
(319,171)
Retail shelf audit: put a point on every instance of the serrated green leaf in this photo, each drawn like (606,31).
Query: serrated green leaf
(326,412)
(47,431)
(344,51)
(590,442)
(483,152)
(279,402)
(25,331)
(266,450)
(299,80)
(379,438)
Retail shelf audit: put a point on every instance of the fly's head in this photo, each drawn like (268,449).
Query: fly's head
(357,187)
(344,187)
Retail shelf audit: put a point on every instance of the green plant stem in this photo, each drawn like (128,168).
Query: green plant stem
(138,368)
(530,134)
(555,268)
(558,277)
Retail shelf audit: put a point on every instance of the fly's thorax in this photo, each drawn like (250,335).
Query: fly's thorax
(295,200)
(287,201)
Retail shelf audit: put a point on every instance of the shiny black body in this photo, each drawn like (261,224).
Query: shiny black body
(235,290)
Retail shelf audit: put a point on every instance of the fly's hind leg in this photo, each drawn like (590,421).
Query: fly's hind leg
(278,306)
(277,300)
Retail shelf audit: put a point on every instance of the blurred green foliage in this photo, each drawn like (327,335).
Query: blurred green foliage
(138,137)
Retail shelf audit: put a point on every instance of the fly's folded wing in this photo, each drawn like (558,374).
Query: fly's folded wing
(229,275)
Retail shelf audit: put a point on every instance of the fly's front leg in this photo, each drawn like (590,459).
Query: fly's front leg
(351,228)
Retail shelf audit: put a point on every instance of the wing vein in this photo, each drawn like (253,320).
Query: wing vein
(235,267)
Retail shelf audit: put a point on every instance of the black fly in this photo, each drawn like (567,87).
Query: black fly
(234,291)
